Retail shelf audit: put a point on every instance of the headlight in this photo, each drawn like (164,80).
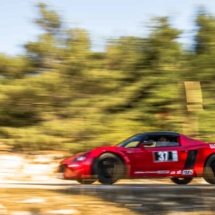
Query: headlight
(81,157)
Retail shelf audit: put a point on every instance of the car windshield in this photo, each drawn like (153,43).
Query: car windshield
(131,141)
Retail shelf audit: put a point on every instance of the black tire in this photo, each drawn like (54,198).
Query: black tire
(86,181)
(108,168)
(181,180)
(209,170)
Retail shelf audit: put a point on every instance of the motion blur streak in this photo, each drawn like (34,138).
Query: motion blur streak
(60,95)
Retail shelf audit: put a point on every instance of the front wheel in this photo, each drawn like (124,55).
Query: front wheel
(181,180)
(109,168)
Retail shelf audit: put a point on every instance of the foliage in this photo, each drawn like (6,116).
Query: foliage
(62,95)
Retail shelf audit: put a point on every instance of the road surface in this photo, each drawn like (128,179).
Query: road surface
(141,198)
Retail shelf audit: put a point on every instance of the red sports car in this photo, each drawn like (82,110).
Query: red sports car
(145,155)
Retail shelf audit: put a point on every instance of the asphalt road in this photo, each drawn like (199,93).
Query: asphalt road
(159,199)
(136,187)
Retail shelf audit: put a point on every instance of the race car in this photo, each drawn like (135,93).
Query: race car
(145,155)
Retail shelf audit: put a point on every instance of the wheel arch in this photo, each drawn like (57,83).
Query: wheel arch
(208,171)
(124,159)
(208,157)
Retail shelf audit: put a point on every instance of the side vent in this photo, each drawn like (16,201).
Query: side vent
(191,159)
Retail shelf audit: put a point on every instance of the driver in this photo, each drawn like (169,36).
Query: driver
(163,139)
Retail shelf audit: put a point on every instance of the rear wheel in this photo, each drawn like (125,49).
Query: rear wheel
(209,170)
(86,181)
(181,180)
(109,168)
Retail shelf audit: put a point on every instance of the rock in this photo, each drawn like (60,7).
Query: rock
(41,178)
(33,200)
(62,212)
(11,161)
(33,169)
(3,210)
(4,147)
(23,213)
(42,159)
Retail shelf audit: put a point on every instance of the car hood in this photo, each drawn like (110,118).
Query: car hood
(94,152)
(107,148)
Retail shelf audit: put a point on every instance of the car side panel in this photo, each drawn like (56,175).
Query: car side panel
(203,154)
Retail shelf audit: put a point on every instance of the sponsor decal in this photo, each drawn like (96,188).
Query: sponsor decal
(154,172)
(163,171)
(145,172)
(172,173)
(165,156)
(183,172)
(187,172)
(138,172)
(212,146)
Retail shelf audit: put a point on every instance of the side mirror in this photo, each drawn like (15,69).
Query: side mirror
(149,142)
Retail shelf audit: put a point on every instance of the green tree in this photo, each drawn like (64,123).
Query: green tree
(200,67)
(124,53)
(163,51)
(152,92)
(76,53)
(46,52)
(14,67)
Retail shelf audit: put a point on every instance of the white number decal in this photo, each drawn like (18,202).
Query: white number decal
(163,156)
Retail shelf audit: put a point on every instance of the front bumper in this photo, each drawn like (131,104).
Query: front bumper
(75,170)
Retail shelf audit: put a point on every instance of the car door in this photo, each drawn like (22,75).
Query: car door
(161,159)
(134,153)
(136,157)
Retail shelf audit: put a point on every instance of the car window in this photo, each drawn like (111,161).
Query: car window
(162,144)
(163,141)
(133,142)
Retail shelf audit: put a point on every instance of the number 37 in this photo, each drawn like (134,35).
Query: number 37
(163,156)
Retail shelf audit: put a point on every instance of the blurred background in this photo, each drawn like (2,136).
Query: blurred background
(66,89)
